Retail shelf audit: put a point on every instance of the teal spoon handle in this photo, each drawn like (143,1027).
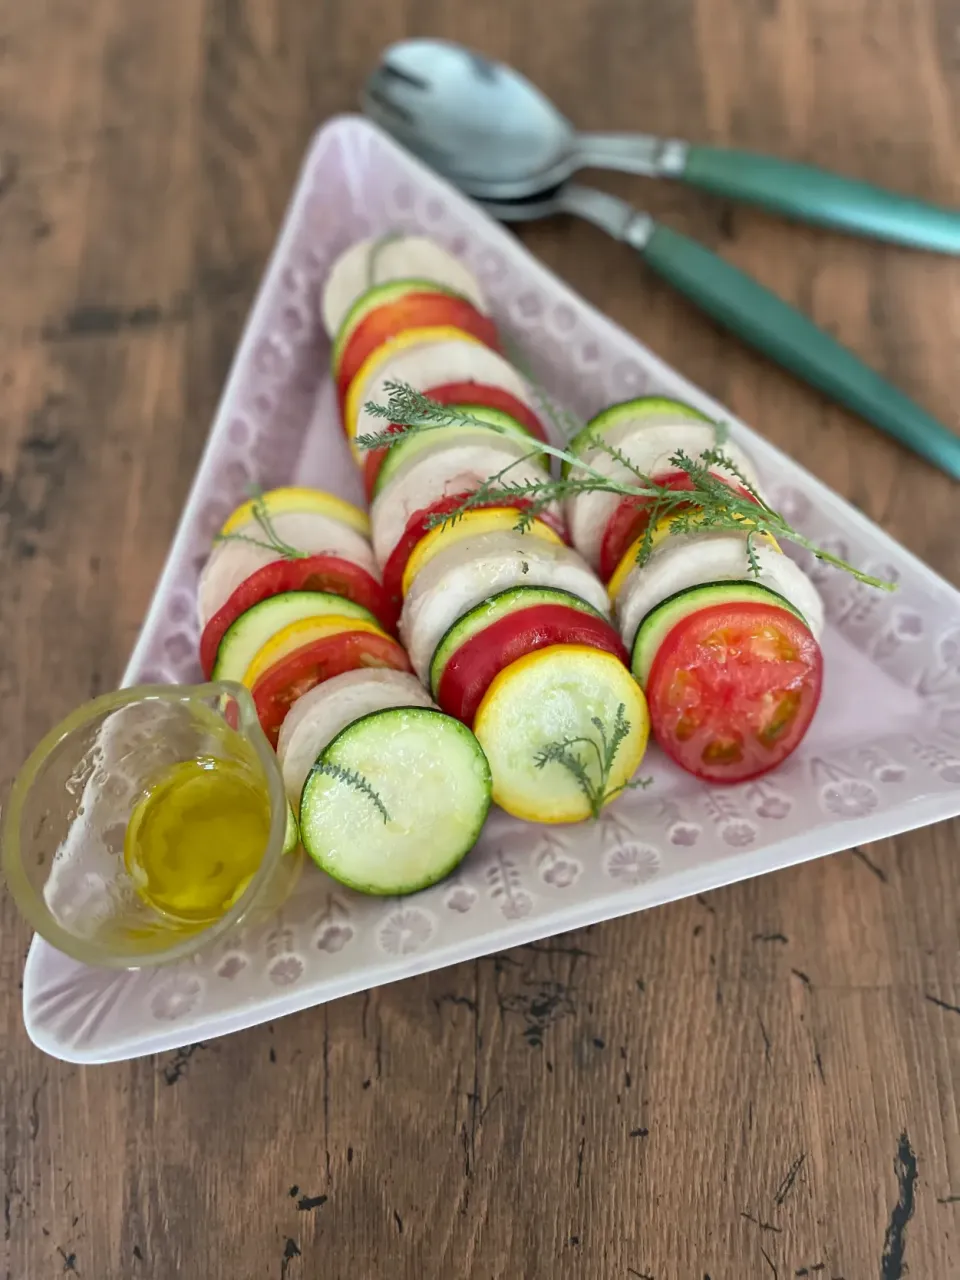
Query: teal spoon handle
(812,195)
(764,321)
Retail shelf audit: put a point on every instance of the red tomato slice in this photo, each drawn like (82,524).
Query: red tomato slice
(278,689)
(492,398)
(418,526)
(478,393)
(309,573)
(413,311)
(732,690)
(631,516)
(473,667)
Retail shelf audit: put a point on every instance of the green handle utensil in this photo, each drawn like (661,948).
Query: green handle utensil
(748,309)
(763,320)
(494,133)
(809,194)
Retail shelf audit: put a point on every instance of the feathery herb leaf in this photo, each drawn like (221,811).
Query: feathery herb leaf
(601,752)
(350,778)
(271,540)
(709,504)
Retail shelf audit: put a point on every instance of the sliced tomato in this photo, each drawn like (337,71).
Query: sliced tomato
(474,666)
(494,398)
(630,519)
(733,688)
(479,393)
(289,679)
(418,526)
(308,573)
(414,311)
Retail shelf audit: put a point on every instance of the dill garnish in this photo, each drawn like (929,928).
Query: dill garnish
(350,778)
(592,781)
(708,504)
(271,540)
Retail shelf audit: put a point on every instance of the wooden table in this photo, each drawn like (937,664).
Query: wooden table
(758,1083)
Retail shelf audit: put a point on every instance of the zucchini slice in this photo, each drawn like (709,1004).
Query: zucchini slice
(297,499)
(491,610)
(655,409)
(291,836)
(472,524)
(322,712)
(410,446)
(395,801)
(251,631)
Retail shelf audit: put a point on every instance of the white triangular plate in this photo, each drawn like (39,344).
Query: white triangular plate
(883,755)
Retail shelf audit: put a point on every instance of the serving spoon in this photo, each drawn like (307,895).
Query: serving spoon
(475,130)
(496,135)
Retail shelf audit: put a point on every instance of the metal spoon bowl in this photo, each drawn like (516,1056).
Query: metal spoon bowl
(493,133)
(489,129)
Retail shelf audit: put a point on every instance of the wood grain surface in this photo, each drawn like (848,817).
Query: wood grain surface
(754,1085)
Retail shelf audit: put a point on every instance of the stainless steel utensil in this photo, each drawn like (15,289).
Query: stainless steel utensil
(495,134)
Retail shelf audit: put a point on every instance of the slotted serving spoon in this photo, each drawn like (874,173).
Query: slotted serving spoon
(488,130)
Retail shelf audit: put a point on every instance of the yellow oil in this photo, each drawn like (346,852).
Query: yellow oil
(196,837)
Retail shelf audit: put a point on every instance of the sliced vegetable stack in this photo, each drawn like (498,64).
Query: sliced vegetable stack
(291,605)
(723,636)
(401,309)
(511,631)
(291,539)
(290,596)
(509,628)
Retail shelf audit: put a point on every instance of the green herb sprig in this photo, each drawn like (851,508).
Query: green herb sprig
(709,503)
(592,770)
(350,778)
(271,540)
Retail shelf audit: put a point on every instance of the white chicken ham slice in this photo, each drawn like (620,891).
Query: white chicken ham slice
(692,560)
(649,446)
(317,717)
(466,572)
(435,364)
(460,466)
(378,260)
(232,561)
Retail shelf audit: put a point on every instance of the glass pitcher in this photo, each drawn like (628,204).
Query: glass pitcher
(65,824)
